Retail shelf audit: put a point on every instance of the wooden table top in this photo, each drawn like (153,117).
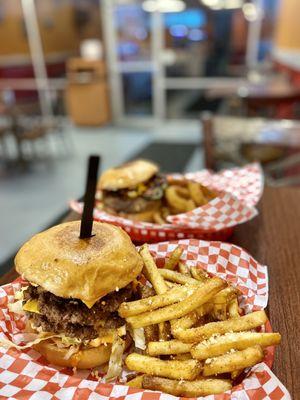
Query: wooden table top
(273,238)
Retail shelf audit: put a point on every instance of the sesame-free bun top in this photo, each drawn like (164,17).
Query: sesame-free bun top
(85,269)
(127,175)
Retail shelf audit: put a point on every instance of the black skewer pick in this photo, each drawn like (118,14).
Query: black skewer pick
(86,226)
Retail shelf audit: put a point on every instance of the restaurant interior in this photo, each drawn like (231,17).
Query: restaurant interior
(190,85)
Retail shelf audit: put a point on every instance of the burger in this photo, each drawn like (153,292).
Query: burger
(74,291)
(133,190)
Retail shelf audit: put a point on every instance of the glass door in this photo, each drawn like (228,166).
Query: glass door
(129,51)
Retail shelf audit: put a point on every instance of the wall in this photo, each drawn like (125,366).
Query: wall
(287,32)
(57,27)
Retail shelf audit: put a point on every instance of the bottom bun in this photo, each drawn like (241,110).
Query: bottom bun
(84,359)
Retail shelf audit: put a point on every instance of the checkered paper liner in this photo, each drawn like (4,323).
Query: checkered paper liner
(27,375)
(239,191)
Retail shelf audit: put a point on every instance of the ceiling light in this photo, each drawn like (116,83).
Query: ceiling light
(163,5)
(250,12)
(232,4)
(223,4)
(210,3)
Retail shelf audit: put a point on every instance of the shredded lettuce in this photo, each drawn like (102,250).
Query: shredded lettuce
(115,361)
(19,295)
(122,330)
(138,336)
(70,341)
(72,350)
(16,307)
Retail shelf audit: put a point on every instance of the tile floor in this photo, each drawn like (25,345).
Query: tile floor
(32,200)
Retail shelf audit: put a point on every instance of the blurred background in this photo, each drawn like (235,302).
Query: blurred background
(190,84)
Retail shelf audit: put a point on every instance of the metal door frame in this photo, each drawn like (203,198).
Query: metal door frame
(160,83)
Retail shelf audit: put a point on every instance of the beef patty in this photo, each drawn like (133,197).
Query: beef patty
(71,316)
(122,200)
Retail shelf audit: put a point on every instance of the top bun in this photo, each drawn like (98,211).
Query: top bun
(85,269)
(127,175)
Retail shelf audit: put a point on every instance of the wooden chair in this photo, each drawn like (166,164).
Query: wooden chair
(3,145)
(281,163)
(27,138)
(217,153)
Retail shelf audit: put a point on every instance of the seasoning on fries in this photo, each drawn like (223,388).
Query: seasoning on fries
(197,332)
(174,258)
(188,369)
(177,277)
(196,388)
(215,346)
(233,361)
(200,296)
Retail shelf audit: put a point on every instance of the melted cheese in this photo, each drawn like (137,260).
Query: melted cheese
(31,306)
(89,304)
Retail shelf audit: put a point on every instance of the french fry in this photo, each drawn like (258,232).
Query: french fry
(189,320)
(158,219)
(184,356)
(196,193)
(169,347)
(185,322)
(197,388)
(245,323)
(177,277)
(173,369)
(220,302)
(225,295)
(136,382)
(199,297)
(219,311)
(183,269)
(173,259)
(164,331)
(151,271)
(199,274)
(233,361)
(171,285)
(145,291)
(216,346)
(174,295)
(151,332)
(233,308)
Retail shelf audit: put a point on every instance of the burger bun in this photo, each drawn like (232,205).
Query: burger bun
(128,175)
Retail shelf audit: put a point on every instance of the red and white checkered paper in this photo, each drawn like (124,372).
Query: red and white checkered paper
(239,191)
(27,375)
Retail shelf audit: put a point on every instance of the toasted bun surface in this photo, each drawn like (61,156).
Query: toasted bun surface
(85,269)
(127,175)
(84,359)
